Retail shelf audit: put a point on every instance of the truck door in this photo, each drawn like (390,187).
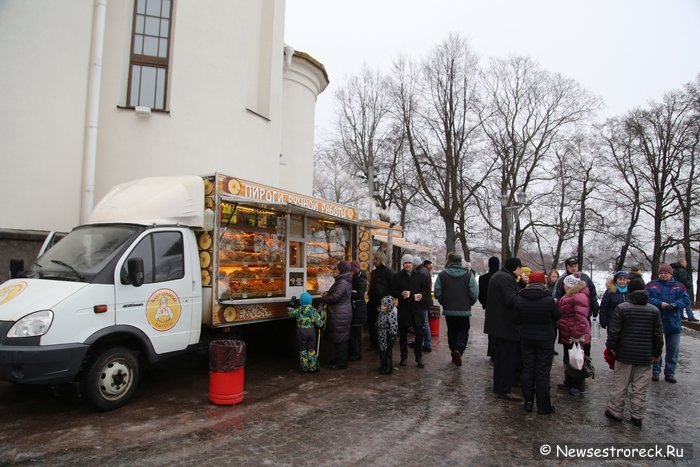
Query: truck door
(162,306)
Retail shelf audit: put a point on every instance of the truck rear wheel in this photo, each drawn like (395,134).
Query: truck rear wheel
(111,378)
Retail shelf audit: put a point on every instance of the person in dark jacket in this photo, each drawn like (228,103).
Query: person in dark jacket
(379,287)
(680,273)
(503,329)
(636,281)
(635,338)
(670,297)
(615,294)
(456,290)
(424,267)
(412,291)
(537,314)
(359,311)
(339,314)
(494,266)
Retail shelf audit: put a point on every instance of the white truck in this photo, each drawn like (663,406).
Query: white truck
(163,264)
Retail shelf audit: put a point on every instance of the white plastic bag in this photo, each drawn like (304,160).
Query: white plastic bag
(576,356)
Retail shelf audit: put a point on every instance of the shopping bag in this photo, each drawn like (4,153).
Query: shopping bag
(576,356)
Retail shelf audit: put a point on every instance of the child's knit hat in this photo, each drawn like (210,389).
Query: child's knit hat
(305,299)
(387,302)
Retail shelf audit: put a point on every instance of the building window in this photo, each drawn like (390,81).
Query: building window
(150,51)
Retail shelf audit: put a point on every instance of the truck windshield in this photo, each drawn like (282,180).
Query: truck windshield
(83,253)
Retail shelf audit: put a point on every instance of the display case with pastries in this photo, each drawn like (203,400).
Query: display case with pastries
(251,255)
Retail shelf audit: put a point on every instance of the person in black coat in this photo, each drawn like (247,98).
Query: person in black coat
(635,338)
(537,314)
(359,311)
(413,292)
(494,266)
(502,327)
(339,314)
(379,287)
(680,273)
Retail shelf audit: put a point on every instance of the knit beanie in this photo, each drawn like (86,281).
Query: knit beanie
(665,267)
(355,267)
(512,264)
(571,281)
(387,302)
(494,263)
(537,278)
(407,259)
(305,299)
(344,266)
(417,260)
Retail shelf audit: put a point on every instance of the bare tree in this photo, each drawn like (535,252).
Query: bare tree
(436,103)
(366,134)
(660,138)
(527,110)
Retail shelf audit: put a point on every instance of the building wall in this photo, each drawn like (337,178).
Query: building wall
(229,104)
(42,90)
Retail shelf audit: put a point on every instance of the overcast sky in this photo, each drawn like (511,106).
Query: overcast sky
(626,51)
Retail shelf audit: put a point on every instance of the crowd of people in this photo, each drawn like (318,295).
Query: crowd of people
(526,313)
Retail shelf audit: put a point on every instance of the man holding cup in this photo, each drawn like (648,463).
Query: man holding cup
(413,293)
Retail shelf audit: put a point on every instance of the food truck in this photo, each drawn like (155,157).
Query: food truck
(163,264)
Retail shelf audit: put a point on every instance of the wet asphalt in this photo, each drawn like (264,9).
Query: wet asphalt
(437,415)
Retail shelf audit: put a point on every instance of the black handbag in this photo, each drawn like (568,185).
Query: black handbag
(588,370)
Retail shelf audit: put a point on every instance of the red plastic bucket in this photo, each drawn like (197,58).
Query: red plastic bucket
(226,387)
(434,324)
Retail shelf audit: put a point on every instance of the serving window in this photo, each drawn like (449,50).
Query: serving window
(327,244)
(252,252)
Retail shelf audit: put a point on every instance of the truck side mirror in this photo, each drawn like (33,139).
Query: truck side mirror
(16,268)
(134,267)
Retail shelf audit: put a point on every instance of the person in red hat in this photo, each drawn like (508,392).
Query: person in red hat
(537,314)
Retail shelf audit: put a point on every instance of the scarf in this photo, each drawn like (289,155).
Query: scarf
(621,289)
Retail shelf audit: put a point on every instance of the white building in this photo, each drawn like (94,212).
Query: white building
(98,92)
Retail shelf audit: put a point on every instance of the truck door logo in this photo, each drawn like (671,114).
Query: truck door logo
(11,291)
(163,309)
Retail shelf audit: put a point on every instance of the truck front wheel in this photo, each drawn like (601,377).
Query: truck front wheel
(110,378)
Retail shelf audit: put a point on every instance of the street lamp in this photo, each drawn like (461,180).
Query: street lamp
(512,215)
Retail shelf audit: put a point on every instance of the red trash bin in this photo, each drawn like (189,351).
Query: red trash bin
(226,371)
(434,320)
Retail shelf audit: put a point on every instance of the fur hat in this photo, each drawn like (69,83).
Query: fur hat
(344,266)
(387,302)
(305,299)
(355,267)
(512,264)
(407,259)
(537,278)
(665,267)
(571,280)
(417,260)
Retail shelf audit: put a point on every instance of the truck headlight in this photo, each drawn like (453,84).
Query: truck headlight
(35,324)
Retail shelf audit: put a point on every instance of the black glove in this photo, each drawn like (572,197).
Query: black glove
(294,303)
